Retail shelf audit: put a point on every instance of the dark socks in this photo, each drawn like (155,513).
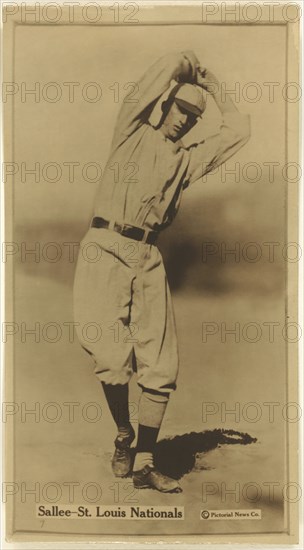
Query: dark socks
(147,437)
(146,442)
(118,400)
(152,407)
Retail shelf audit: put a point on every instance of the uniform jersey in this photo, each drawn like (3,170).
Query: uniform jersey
(146,173)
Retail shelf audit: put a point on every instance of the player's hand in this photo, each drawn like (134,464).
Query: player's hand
(207,80)
(191,66)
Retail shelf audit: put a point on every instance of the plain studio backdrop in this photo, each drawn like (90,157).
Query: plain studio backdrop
(226,210)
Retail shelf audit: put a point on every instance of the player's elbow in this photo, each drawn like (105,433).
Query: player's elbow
(236,128)
(244,130)
(171,61)
(179,65)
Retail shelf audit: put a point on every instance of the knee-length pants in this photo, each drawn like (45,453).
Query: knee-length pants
(123,310)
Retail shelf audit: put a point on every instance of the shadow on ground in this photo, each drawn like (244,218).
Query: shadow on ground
(176,456)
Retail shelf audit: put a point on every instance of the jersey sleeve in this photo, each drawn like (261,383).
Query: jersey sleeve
(207,155)
(137,108)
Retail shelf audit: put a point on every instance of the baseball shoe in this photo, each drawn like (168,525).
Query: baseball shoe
(150,478)
(122,458)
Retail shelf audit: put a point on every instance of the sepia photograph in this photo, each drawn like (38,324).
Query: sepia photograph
(151,253)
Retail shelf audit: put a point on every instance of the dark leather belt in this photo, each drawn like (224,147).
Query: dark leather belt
(126,230)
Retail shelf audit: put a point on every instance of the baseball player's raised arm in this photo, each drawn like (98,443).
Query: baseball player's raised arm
(211,153)
(233,133)
(137,107)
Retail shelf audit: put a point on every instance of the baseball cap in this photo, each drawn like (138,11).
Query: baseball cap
(190,97)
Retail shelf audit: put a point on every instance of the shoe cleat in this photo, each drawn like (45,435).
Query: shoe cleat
(150,478)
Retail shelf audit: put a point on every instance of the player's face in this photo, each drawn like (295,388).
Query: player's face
(178,122)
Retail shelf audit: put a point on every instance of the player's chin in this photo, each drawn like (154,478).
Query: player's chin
(174,135)
(180,133)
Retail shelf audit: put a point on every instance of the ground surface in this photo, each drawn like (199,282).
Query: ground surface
(79,450)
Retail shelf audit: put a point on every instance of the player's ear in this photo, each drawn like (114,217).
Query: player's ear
(165,106)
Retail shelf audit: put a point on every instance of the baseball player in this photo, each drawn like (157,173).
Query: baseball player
(126,291)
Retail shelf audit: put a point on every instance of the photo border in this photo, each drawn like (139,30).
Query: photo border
(163,13)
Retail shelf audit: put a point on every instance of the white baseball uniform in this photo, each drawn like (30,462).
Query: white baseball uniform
(126,291)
